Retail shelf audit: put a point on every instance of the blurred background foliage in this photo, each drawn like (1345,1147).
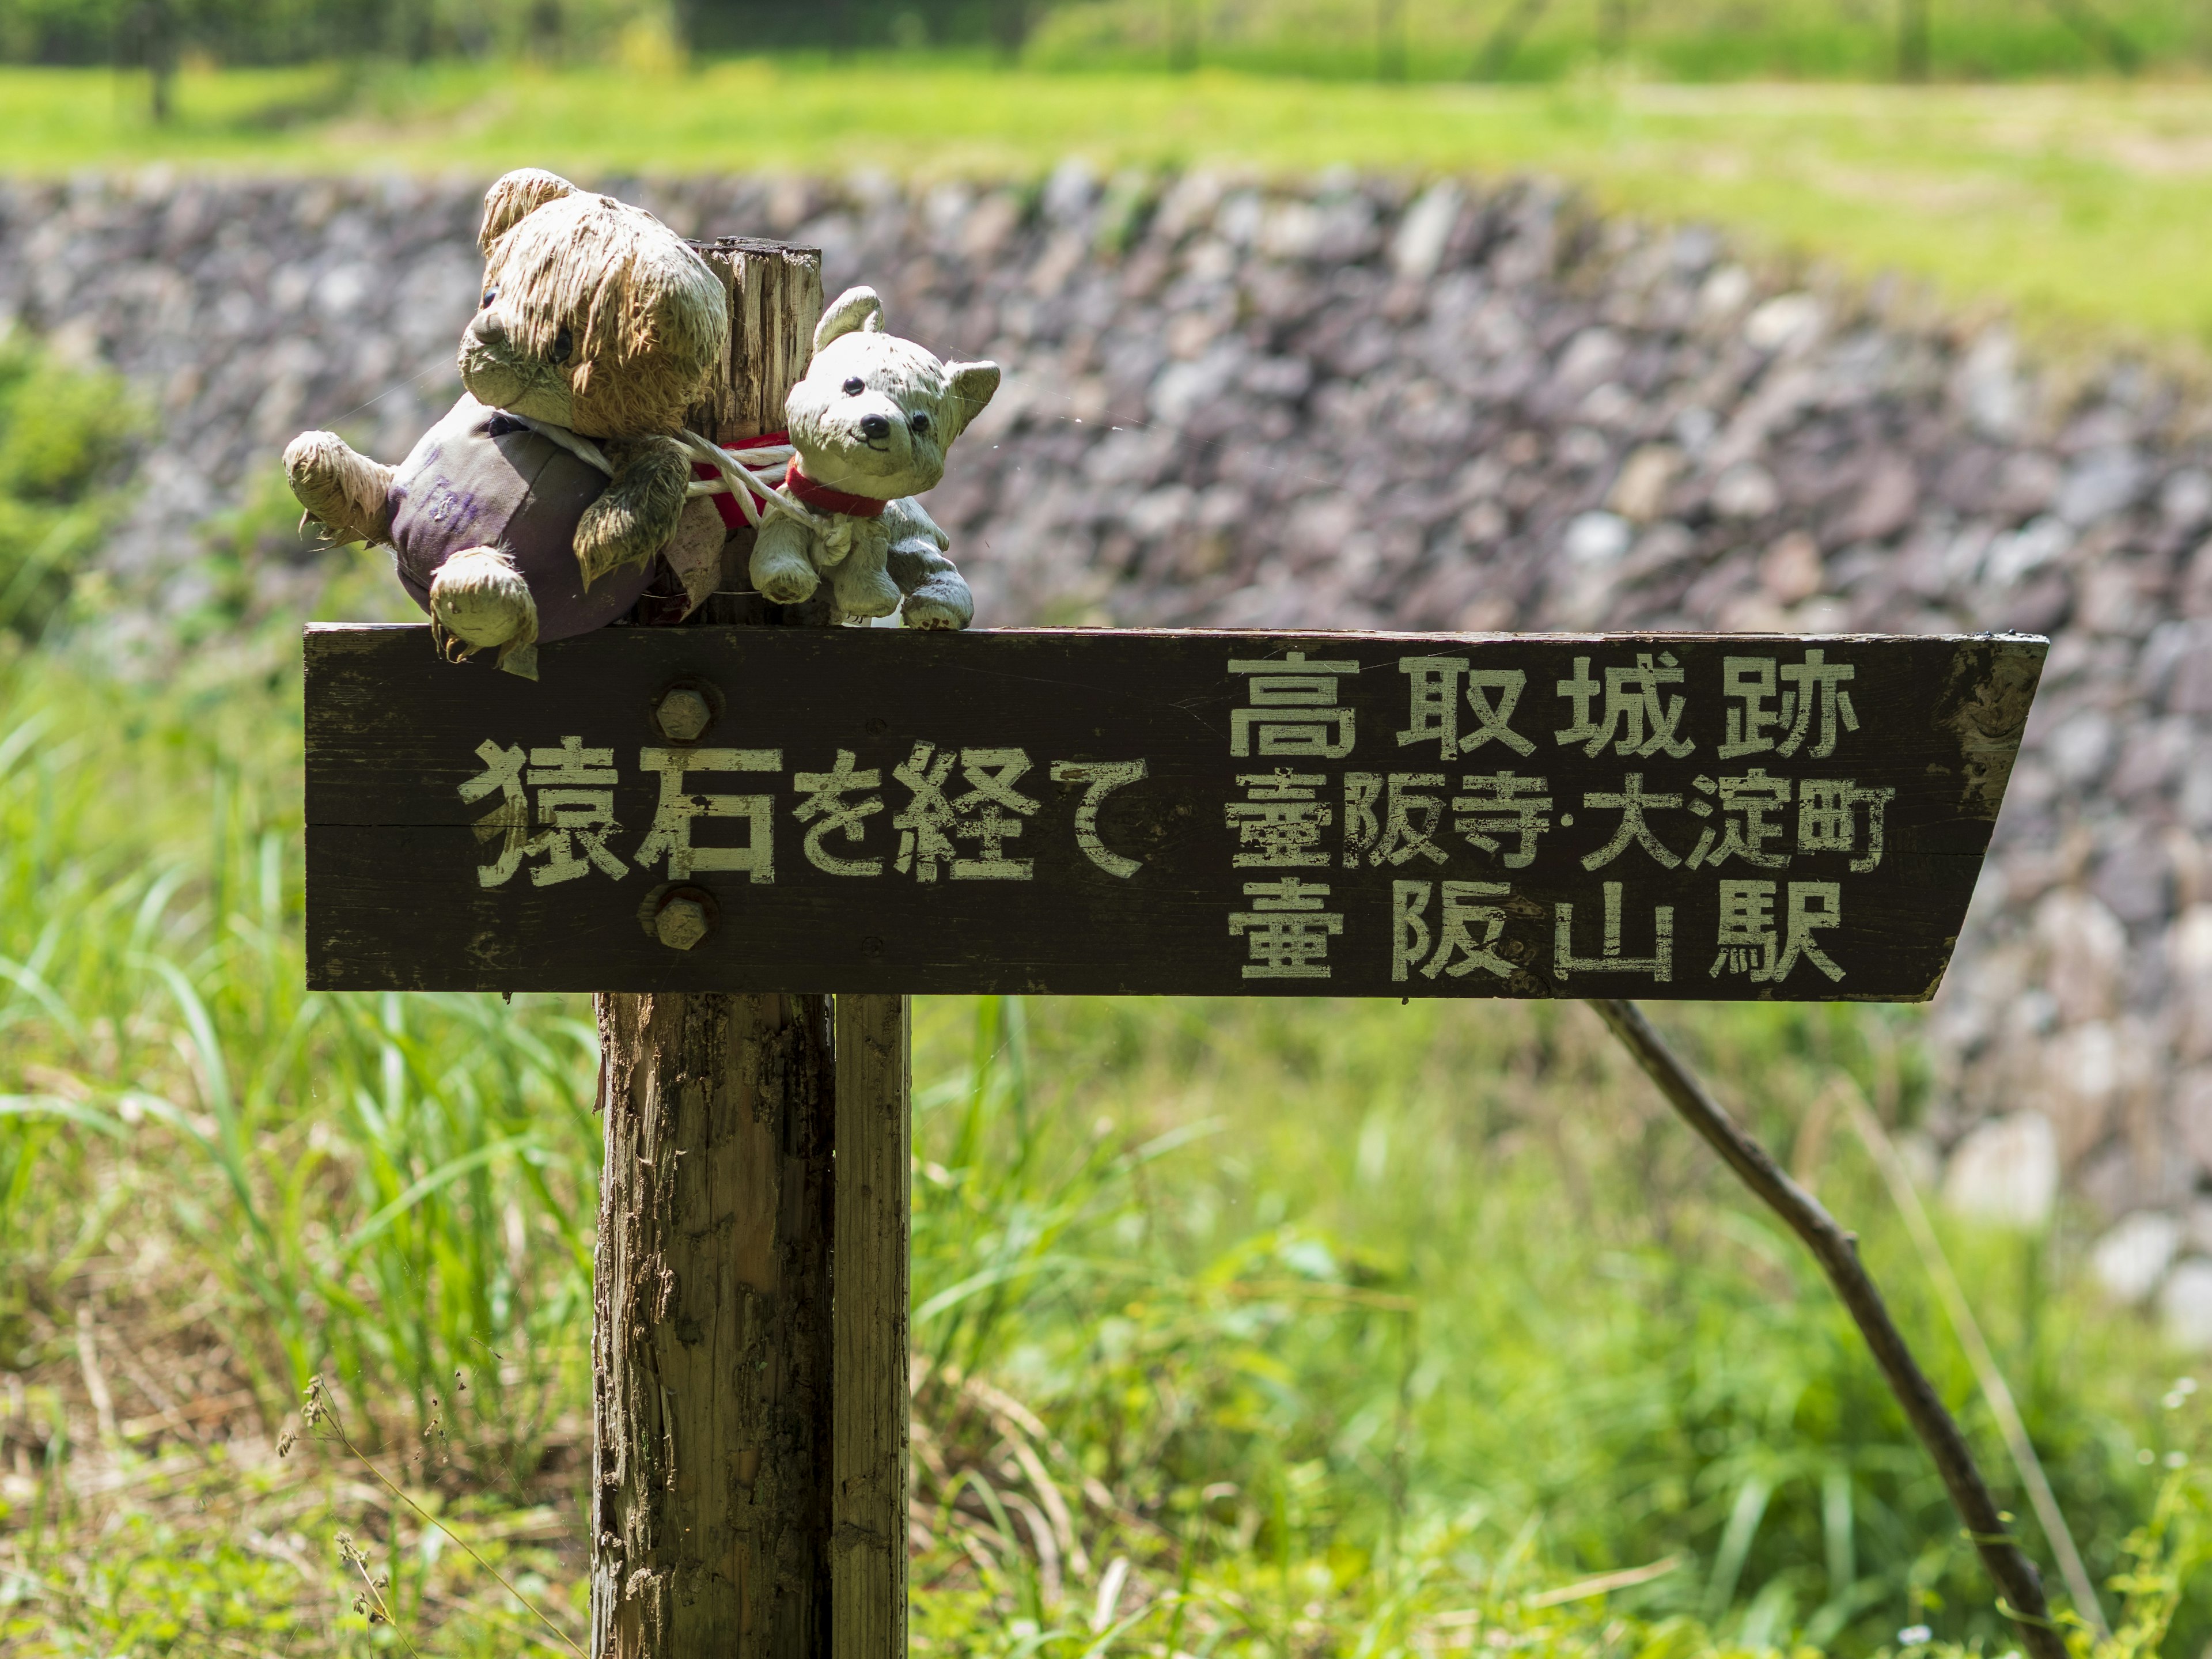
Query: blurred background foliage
(1251,1327)
(1428,40)
(63,435)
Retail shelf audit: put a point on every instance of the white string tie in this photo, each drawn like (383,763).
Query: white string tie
(755,476)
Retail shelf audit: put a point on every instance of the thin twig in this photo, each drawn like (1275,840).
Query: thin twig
(350,1552)
(2020,1586)
(323,1407)
(2002,1406)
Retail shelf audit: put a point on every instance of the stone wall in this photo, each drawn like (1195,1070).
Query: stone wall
(1353,403)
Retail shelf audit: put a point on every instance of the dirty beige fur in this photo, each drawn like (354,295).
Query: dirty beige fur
(595,317)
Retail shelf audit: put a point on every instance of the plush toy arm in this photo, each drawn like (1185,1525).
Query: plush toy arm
(936,594)
(346,493)
(636,514)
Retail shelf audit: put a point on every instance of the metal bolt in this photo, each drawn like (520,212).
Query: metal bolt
(681,923)
(683,715)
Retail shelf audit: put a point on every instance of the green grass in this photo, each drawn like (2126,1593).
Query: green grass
(1347,1327)
(2079,206)
(1251,1327)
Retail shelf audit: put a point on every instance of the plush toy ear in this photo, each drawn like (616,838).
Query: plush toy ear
(514,198)
(855,309)
(971,386)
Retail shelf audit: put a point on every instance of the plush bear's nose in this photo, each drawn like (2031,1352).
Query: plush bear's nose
(874,426)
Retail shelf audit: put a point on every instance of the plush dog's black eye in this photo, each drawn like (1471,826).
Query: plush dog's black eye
(919,421)
(855,387)
(490,293)
(563,343)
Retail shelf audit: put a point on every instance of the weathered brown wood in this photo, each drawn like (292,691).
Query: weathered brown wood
(774,288)
(712,1347)
(868,1557)
(712,1351)
(1176,880)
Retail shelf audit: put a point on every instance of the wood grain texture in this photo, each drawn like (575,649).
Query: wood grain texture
(712,1344)
(1051,876)
(868,1552)
(712,1347)
(775,299)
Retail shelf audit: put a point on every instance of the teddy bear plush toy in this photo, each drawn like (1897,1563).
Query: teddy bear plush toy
(869,425)
(536,508)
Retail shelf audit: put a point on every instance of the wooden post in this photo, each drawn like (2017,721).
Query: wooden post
(867,1560)
(712,1347)
(711,1344)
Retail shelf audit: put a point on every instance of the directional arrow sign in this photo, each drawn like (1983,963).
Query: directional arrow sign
(1714,817)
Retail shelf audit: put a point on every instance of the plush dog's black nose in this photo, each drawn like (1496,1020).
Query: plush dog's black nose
(874,426)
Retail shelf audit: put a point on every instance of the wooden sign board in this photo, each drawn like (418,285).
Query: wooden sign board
(1721,817)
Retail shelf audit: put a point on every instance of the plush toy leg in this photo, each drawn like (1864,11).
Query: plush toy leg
(780,568)
(635,516)
(479,602)
(860,585)
(343,491)
(937,595)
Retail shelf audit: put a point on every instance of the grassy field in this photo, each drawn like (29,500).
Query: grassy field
(2079,206)
(1251,1328)
(1344,1327)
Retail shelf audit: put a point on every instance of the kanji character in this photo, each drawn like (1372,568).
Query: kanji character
(1293,708)
(1745,804)
(1632,802)
(1409,824)
(1632,701)
(670,836)
(1458,952)
(1659,964)
(1827,818)
(931,821)
(1747,941)
(1503,807)
(1286,930)
(1433,705)
(1280,821)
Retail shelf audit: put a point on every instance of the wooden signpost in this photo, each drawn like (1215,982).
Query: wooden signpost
(754,839)
(1101,812)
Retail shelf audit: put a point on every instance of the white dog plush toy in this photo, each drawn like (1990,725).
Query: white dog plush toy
(869,427)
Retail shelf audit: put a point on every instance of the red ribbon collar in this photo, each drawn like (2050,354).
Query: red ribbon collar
(820,498)
(823,499)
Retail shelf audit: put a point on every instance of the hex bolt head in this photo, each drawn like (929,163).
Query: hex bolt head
(683,715)
(681,923)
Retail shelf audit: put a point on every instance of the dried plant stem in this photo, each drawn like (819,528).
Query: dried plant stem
(321,1407)
(360,1565)
(2002,1405)
(2020,1586)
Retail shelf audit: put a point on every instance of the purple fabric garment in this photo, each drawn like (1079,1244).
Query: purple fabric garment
(481,478)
